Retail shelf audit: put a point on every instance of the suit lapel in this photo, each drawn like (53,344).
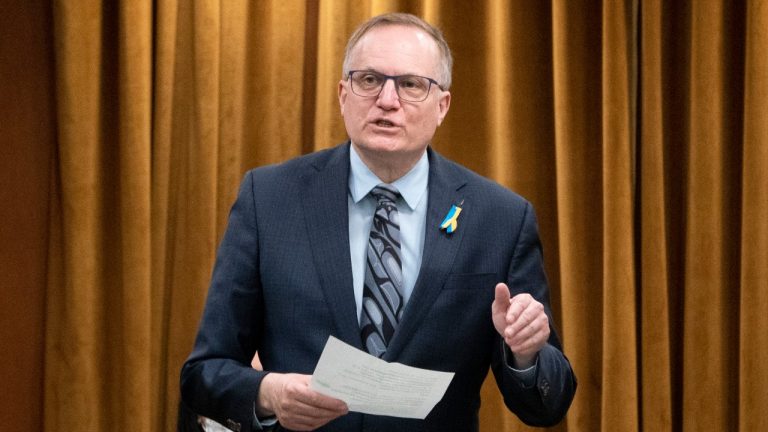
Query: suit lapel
(325,212)
(445,190)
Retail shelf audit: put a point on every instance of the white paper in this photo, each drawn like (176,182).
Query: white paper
(209,425)
(373,386)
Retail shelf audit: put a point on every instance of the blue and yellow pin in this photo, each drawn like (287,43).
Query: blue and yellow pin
(450,223)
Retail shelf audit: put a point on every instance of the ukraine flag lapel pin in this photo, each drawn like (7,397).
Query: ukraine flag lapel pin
(450,223)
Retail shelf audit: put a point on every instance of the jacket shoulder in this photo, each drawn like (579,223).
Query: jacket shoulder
(293,169)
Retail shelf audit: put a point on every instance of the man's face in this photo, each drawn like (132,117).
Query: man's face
(385,126)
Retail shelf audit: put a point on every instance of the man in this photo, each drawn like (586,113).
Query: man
(388,246)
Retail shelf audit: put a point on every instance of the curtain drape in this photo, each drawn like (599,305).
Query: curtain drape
(638,129)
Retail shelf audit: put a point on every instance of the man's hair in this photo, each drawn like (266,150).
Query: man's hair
(408,20)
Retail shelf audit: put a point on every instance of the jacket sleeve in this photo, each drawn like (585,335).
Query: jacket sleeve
(217,380)
(547,401)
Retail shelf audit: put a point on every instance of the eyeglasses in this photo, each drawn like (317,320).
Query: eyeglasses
(411,88)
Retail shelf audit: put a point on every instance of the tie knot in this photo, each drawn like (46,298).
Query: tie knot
(385,193)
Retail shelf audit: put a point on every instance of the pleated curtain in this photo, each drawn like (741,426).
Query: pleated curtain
(638,129)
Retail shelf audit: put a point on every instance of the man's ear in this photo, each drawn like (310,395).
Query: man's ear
(443,105)
(342,96)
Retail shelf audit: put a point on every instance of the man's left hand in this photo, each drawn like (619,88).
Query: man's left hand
(523,324)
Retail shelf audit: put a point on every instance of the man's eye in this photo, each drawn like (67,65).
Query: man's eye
(370,79)
(410,83)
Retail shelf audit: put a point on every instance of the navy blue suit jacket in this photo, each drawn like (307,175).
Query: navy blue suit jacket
(282,284)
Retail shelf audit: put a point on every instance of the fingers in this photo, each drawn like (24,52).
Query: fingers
(296,406)
(526,328)
(523,310)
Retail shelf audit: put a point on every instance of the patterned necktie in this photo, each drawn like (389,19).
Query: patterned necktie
(383,287)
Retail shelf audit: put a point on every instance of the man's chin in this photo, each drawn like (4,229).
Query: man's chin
(380,146)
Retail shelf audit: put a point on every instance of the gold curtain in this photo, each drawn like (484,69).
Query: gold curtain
(638,129)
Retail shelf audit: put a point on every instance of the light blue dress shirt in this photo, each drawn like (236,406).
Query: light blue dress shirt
(412,213)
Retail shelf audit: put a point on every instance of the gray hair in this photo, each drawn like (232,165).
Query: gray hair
(404,19)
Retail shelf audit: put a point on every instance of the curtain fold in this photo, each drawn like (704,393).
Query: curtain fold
(638,129)
(710,338)
(753,239)
(98,312)
(657,316)
(576,53)
(134,90)
(619,326)
(71,332)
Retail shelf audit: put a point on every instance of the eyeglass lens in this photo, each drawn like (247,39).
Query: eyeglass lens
(409,87)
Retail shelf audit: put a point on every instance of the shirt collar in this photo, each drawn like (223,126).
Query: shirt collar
(412,185)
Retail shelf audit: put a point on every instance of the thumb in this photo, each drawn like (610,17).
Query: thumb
(501,299)
(499,307)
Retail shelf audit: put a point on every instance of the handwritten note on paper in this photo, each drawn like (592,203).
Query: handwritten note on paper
(373,386)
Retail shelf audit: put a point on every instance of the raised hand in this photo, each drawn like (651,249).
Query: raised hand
(522,322)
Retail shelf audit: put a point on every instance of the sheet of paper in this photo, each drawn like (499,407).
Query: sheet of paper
(373,386)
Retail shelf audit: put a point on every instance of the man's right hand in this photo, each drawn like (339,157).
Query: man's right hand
(296,406)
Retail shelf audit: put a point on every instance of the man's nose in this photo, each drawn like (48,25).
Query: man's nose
(388,96)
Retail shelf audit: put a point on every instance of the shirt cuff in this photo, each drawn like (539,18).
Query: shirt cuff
(262,423)
(527,376)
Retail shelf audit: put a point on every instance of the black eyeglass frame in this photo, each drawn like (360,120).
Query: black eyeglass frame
(394,79)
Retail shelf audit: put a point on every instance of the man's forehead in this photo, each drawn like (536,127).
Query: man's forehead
(397,31)
(395,39)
